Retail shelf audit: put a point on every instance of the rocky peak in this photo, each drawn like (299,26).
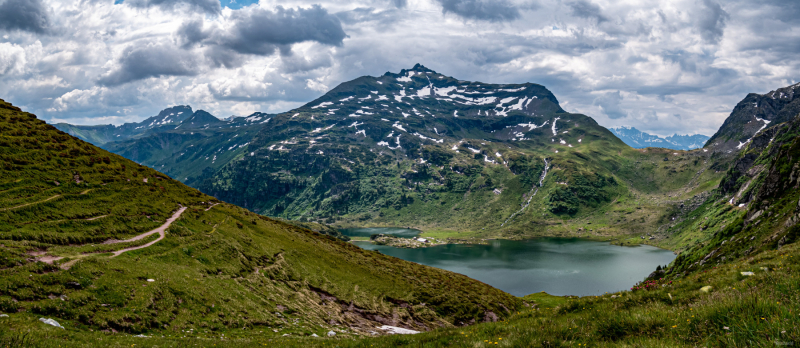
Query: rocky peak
(753,114)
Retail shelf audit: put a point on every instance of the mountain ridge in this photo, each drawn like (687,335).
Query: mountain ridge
(639,140)
(753,114)
(421,149)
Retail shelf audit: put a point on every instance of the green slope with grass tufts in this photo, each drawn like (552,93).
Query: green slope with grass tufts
(67,206)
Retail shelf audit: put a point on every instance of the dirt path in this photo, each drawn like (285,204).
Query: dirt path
(31,203)
(96,217)
(209,208)
(42,201)
(161,234)
(161,230)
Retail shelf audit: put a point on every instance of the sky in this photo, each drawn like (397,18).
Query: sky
(663,67)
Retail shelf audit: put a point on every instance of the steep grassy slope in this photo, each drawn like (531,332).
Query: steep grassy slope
(67,208)
(457,158)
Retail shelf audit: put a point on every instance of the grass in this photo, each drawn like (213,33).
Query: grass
(219,269)
(228,277)
(739,311)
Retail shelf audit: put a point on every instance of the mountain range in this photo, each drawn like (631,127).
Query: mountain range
(639,140)
(97,249)
(421,149)
(178,141)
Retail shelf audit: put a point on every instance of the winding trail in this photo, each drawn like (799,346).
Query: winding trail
(161,230)
(31,203)
(161,234)
(42,201)
(535,188)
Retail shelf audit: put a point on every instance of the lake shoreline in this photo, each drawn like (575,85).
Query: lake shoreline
(631,241)
(556,265)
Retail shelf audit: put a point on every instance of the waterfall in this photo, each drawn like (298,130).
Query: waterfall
(534,191)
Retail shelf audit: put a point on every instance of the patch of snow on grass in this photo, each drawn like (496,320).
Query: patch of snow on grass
(444,91)
(317,131)
(398,126)
(519,105)
(554,125)
(400,97)
(322,105)
(506,100)
(424,92)
(397,330)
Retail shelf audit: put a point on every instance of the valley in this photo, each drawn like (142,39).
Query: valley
(399,173)
(475,177)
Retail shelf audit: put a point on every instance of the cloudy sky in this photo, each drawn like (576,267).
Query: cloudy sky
(661,66)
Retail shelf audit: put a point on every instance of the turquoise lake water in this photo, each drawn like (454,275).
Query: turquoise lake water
(558,266)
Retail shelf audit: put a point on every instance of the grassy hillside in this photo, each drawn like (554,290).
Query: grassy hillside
(67,208)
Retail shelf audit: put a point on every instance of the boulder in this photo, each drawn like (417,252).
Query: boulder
(331,334)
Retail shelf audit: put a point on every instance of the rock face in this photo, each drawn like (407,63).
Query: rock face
(754,113)
(752,162)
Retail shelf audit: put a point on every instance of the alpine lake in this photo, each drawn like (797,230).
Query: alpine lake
(557,266)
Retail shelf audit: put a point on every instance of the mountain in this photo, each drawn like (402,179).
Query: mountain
(181,143)
(639,140)
(755,113)
(104,245)
(421,149)
(102,134)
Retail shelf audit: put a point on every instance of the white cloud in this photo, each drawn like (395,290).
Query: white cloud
(696,58)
